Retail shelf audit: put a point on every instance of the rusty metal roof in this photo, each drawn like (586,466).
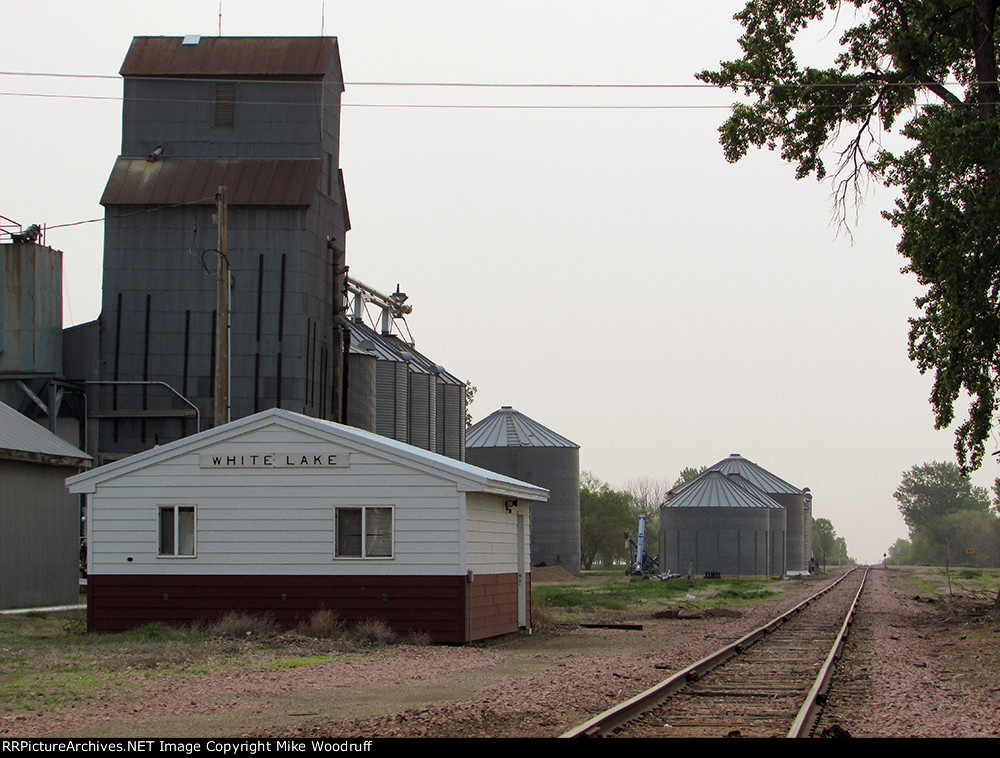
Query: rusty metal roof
(232,57)
(137,181)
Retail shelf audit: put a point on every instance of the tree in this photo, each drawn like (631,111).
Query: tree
(827,546)
(647,497)
(605,516)
(928,70)
(931,491)
(470,395)
(824,540)
(688,473)
(901,551)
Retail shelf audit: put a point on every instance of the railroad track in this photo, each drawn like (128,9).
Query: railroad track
(769,683)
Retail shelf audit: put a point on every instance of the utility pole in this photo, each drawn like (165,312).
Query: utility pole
(222,373)
(341,338)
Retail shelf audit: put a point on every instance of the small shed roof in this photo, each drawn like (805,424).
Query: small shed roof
(169,181)
(467,478)
(22,439)
(713,489)
(232,56)
(507,427)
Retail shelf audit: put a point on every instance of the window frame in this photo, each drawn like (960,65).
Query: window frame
(176,509)
(363,537)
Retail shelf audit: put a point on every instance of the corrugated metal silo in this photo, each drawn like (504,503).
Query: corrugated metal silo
(512,444)
(452,434)
(797,507)
(423,409)
(717,525)
(361,389)
(391,399)
(31,313)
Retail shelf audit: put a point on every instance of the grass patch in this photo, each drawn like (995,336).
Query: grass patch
(48,661)
(637,593)
(936,580)
(34,689)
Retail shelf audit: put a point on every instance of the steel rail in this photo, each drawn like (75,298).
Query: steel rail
(805,720)
(644,701)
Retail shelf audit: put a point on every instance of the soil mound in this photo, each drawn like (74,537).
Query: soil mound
(552,574)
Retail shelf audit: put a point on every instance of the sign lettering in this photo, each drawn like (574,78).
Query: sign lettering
(226,460)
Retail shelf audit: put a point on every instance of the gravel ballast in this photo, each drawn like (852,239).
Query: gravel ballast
(912,668)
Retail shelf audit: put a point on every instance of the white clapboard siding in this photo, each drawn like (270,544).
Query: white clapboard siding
(448,516)
(492,536)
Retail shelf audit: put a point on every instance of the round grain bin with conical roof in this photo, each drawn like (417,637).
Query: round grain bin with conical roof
(510,443)
(797,503)
(361,389)
(718,525)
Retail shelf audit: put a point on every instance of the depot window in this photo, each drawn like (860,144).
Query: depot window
(177,531)
(363,532)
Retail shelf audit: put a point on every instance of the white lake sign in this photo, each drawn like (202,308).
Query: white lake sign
(274,460)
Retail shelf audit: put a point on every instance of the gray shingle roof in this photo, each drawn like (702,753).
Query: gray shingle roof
(509,428)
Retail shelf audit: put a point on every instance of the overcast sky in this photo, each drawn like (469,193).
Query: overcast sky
(601,269)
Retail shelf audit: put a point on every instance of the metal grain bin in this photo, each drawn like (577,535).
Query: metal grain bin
(451,434)
(715,526)
(391,399)
(796,501)
(31,313)
(422,409)
(361,389)
(512,444)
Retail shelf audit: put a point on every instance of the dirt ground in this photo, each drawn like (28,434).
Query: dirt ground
(523,685)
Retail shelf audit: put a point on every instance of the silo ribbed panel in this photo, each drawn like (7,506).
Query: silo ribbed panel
(512,444)
(507,427)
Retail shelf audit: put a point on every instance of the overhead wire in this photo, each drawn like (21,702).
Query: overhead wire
(628,86)
(605,87)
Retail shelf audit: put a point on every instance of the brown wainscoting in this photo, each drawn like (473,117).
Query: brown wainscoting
(446,608)
(493,602)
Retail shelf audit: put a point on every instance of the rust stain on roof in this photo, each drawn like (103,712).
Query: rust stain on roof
(233,57)
(136,181)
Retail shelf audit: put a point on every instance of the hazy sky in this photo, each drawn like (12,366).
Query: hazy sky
(601,269)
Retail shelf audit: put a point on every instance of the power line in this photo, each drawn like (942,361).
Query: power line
(156,209)
(467,106)
(498,85)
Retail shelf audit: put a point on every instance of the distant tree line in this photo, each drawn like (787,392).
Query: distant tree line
(951,522)
(829,549)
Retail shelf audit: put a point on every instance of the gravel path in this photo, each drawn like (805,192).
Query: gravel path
(917,667)
(923,669)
